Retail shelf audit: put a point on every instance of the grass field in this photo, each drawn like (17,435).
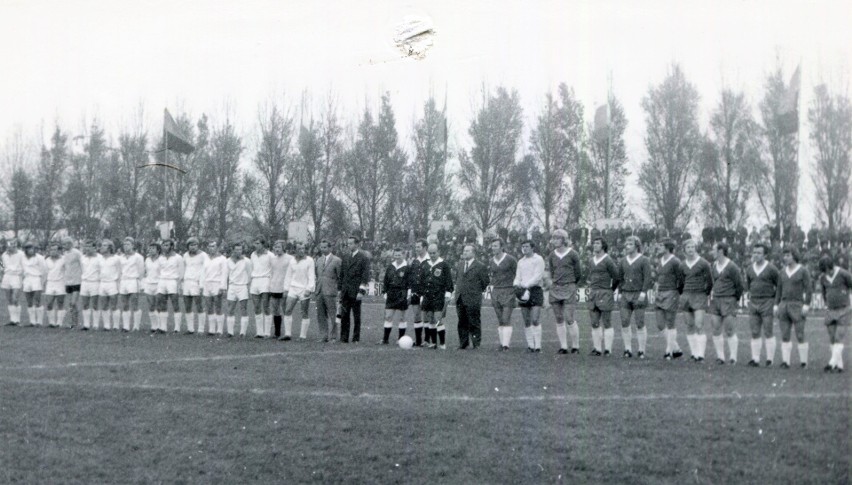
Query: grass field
(108,407)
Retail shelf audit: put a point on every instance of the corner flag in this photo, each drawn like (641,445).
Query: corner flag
(174,139)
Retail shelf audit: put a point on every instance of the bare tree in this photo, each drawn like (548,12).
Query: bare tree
(831,135)
(673,141)
(223,176)
(48,184)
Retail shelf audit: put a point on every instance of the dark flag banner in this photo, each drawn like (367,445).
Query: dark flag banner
(788,113)
(175,140)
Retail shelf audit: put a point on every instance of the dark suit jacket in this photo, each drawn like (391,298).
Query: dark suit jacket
(328,275)
(471,284)
(355,271)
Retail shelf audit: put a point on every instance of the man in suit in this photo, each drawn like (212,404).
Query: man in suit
(471,280)
(328,279)
(354,277)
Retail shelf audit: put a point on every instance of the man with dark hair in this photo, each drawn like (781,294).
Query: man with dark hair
(279,283)
(168,286)
(151,282)
(636,280)
(419,265)
(436,286)
(73,273)
(528,280)
(668,289)
(193,263)
(239,281)
(354,278)
(502,269)
(328,278)
(90,264)
(471,281)
(108,288)
(563,264)
(761,285)
(215,288)
(398,280)
(724,300)
(261,266)
(132,271)
(54,291)
(603,280)
(792,302)
(836,285)
(693,302)
(301,279)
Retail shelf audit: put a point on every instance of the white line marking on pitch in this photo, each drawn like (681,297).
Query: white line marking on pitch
(450,397)
(71,365)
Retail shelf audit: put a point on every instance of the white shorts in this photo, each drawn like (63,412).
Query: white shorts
(297,293)
(212,289)
(260,285)
(150,287)
(128,287)
(89,288)
(55,288)
(167,287)
(191,288)
(237,292)
(108,288)
(11,282)
(32,283)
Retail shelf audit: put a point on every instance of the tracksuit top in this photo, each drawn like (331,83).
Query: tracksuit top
(503,274)
(727,283)
(763,285)
(669,275)
(635,277)
(564,271)
(791,287)
(698,278)
(603,275)
(836,291)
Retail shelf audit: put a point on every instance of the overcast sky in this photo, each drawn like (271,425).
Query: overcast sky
(73,61)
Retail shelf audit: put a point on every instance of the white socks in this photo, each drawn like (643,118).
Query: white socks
(803,353)
(230,325)
(836,356)
(288,325)
(220,324)
(574,333)
(719,344)
(303,332)
(668,335)
(267,325)
(627,338)
(675,345)
(786,350)
(770,348)
(528,333)
(562,333)
(609,335)
(259,325)
(642,338)
(163,317)
(243,321)
(536,331)
(505,334)
(701,342)
(756,345)
(31,315)
(733,342)
(597,336)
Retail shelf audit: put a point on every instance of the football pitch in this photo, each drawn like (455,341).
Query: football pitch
(111,407)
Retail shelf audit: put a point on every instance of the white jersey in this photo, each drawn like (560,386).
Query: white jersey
(302,275)
(132,267)
(13,264)
(111,269)
(55,270)
(261,265)
(239,272)
(152,270)
(194,266)
(91,266)
(280,279)
(34,266)
(171,267)
(216,272)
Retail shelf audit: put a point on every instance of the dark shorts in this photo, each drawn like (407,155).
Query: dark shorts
(790,312)
(503,297)
(72,289)
(396,299)
(666,301)
(432,303)
(630,300)
(536,298)
(723,306)
(567,295)
(276,295)
(601,300)
(692,302)
(761,307)
(414,300)
(839,316)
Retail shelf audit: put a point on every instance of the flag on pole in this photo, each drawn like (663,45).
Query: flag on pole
(176,141)
(602,122)
(788,112)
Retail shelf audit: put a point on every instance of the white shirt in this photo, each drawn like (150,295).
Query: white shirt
(302,275)
(171,268)
(193,266)
(34,266)
(13,264)
(110,268)
(55,269)
(239,272)
(216,272)
(132,267)
(280,280)
(152,270)
(91,266)
(261,265)
(530,271)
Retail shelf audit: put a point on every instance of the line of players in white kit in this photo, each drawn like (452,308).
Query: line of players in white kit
(109,286)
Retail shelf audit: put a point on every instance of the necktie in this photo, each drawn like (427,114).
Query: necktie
(466,266)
